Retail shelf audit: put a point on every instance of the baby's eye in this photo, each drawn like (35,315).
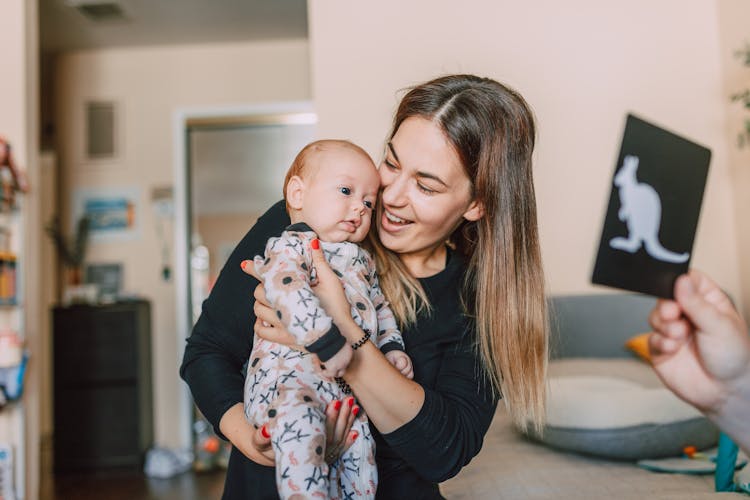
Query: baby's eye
(368,204)
(345,190)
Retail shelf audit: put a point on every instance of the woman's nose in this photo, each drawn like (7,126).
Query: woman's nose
(395,192)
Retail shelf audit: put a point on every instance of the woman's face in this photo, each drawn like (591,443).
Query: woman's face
(426,193)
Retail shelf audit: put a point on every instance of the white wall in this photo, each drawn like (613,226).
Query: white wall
(734,34)
(150,85)
(582,65)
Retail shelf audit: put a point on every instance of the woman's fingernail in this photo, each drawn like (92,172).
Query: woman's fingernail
(355,411)
(264,432)
(243,264)
(350,402)
(355,435)
(337,405)
(315,244)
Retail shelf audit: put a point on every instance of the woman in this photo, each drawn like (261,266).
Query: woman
(459,261)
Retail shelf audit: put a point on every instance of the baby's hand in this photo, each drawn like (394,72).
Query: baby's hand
(402,362)
(336,365)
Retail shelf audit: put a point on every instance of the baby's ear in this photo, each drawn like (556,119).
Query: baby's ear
(295,190)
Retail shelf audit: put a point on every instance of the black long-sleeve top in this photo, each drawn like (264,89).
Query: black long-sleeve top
(444,436)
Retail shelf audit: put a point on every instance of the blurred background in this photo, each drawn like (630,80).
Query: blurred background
(170,124)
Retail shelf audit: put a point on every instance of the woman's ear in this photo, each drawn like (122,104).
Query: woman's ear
(475,211)
(295,190)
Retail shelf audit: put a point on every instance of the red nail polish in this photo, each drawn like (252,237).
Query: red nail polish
(315,244)
(355,435)
(355,411)
(350,402)
(337,405)
(243,264)
(264,432)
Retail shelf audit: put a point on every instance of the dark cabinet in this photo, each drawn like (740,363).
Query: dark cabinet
(103,412)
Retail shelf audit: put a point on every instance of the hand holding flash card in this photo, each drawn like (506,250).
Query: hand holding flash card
(653,211)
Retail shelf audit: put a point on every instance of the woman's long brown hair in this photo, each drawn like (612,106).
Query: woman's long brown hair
(493,132)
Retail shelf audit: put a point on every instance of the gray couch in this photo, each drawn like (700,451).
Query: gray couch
(511,466)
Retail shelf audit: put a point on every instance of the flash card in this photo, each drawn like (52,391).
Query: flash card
(657,189)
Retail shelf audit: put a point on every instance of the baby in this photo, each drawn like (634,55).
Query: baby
(330,192)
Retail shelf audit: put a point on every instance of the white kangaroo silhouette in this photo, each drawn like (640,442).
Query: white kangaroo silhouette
(640,209)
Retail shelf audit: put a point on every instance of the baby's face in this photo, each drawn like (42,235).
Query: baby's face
(341,189)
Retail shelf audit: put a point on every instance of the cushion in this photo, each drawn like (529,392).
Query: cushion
(618,409)
(639,345)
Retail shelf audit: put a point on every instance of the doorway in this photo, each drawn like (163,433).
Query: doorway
(230,168)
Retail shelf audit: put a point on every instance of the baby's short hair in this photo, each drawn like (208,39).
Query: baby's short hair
(303,157)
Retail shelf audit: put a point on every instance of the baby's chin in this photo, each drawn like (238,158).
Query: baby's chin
(340,237)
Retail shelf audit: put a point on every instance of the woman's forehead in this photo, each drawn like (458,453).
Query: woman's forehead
(421,145)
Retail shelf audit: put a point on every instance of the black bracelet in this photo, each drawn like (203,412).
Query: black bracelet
(362,341)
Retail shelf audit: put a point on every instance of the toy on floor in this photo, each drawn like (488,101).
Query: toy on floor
(210,451)
(726,463)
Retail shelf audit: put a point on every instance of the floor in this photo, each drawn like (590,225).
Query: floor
(125,484)
(510,467)
(130,484)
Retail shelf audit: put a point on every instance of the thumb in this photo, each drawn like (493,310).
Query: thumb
(701,313)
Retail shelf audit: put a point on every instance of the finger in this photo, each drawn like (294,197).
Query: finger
(350,438)
(663,311)
(409,369)
(344,421)
(259,294)
(704,314)
(262,439)
(332,415)
(265,313)
(711,292)
(677,330)
(318,258)
(248,266)
(273,334)
(659,344)
(668,309)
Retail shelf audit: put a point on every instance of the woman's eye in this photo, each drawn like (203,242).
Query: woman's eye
(425,189)
(368,204)
(345,191)
(389,164)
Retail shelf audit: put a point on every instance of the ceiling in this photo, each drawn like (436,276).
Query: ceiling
(64,27)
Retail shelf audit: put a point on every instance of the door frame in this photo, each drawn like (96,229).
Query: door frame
(287,112)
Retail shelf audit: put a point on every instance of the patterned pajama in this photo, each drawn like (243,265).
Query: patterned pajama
(285,388)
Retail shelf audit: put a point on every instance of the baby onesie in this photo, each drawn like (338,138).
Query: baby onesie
(285,388)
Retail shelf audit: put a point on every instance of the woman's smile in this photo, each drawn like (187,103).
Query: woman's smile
(391,222)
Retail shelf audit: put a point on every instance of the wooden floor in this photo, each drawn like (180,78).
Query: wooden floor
(132,485)
(125,484)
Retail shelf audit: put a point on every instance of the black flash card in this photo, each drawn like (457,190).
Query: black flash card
(657,189)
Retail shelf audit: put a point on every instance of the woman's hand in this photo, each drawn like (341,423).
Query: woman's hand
(256,444)
(267,324)
(330,291)
(340,416)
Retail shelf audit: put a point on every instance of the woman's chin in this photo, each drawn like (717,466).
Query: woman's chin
(396,241)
